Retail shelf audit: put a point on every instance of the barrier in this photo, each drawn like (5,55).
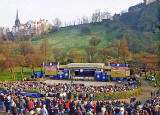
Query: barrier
(60,76)
(118,65)
(118,79)
(50,64)
(84,70)
(51,76)
(38,74)
(3,91)
(103,77)
(46,75)
(66,74)
(29,94)
(123,65)
(51,95)
(98,76)
(113,65)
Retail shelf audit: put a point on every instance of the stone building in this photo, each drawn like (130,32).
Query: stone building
(30,28)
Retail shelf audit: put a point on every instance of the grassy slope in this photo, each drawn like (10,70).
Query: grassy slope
(71,37)
(27,74)
(7,76)
(66,38)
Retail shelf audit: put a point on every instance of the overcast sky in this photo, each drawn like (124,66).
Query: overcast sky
(66,10)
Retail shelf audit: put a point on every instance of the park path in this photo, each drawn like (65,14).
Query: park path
(145,91)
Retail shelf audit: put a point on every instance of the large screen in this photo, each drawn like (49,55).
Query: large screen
(51,69)
(118,72)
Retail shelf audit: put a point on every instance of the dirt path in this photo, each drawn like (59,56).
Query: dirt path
(146,91)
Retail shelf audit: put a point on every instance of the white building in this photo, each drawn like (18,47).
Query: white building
(31,28)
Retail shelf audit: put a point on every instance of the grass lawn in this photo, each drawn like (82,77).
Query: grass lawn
(152,83)
(26,69)
(7,76)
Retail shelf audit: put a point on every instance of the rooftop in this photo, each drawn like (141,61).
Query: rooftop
(85,65)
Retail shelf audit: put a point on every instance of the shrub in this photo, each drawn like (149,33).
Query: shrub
(3,88)
(42,92)
(32,90)
(111,95)
(100,96)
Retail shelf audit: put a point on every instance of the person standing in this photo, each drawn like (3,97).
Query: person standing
(38,110)
(69,96)
(156,109)
(2,101)
(67,106)
(151,94)
(71,107)
(44,110)
(14,109)
(79,112)
(7,103)
(12,105)
(103,110)
(61,109)
(30,105)
(51,110)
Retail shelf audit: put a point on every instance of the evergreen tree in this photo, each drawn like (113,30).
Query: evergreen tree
(123,51)
(46,51)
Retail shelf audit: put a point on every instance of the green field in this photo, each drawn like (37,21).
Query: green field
(27,74)
(26,69)
(152,83)
(7,76)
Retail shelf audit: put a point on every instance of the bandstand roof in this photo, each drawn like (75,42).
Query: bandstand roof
(85,65)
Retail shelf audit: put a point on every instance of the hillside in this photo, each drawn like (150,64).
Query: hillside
(71,37)
(139,25)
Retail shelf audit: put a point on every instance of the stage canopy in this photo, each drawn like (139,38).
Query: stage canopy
(86,65)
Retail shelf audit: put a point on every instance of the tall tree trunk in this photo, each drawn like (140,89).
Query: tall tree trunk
(22,76)
(32,71)
(14,77)
(90,58)
(11,72)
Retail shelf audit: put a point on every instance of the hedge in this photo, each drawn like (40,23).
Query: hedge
(101,96)
(31,90)
(3,88)
(112,95)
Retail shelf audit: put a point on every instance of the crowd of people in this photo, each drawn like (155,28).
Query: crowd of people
(16,104)
(20,105)
(13,87)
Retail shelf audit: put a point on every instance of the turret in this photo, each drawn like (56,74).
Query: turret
(17,21)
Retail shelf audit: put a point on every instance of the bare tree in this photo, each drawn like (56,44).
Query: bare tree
(96,16)
(105,15)
(57,22)
(84,20)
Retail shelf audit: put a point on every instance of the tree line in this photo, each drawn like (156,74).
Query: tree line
(24,54)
